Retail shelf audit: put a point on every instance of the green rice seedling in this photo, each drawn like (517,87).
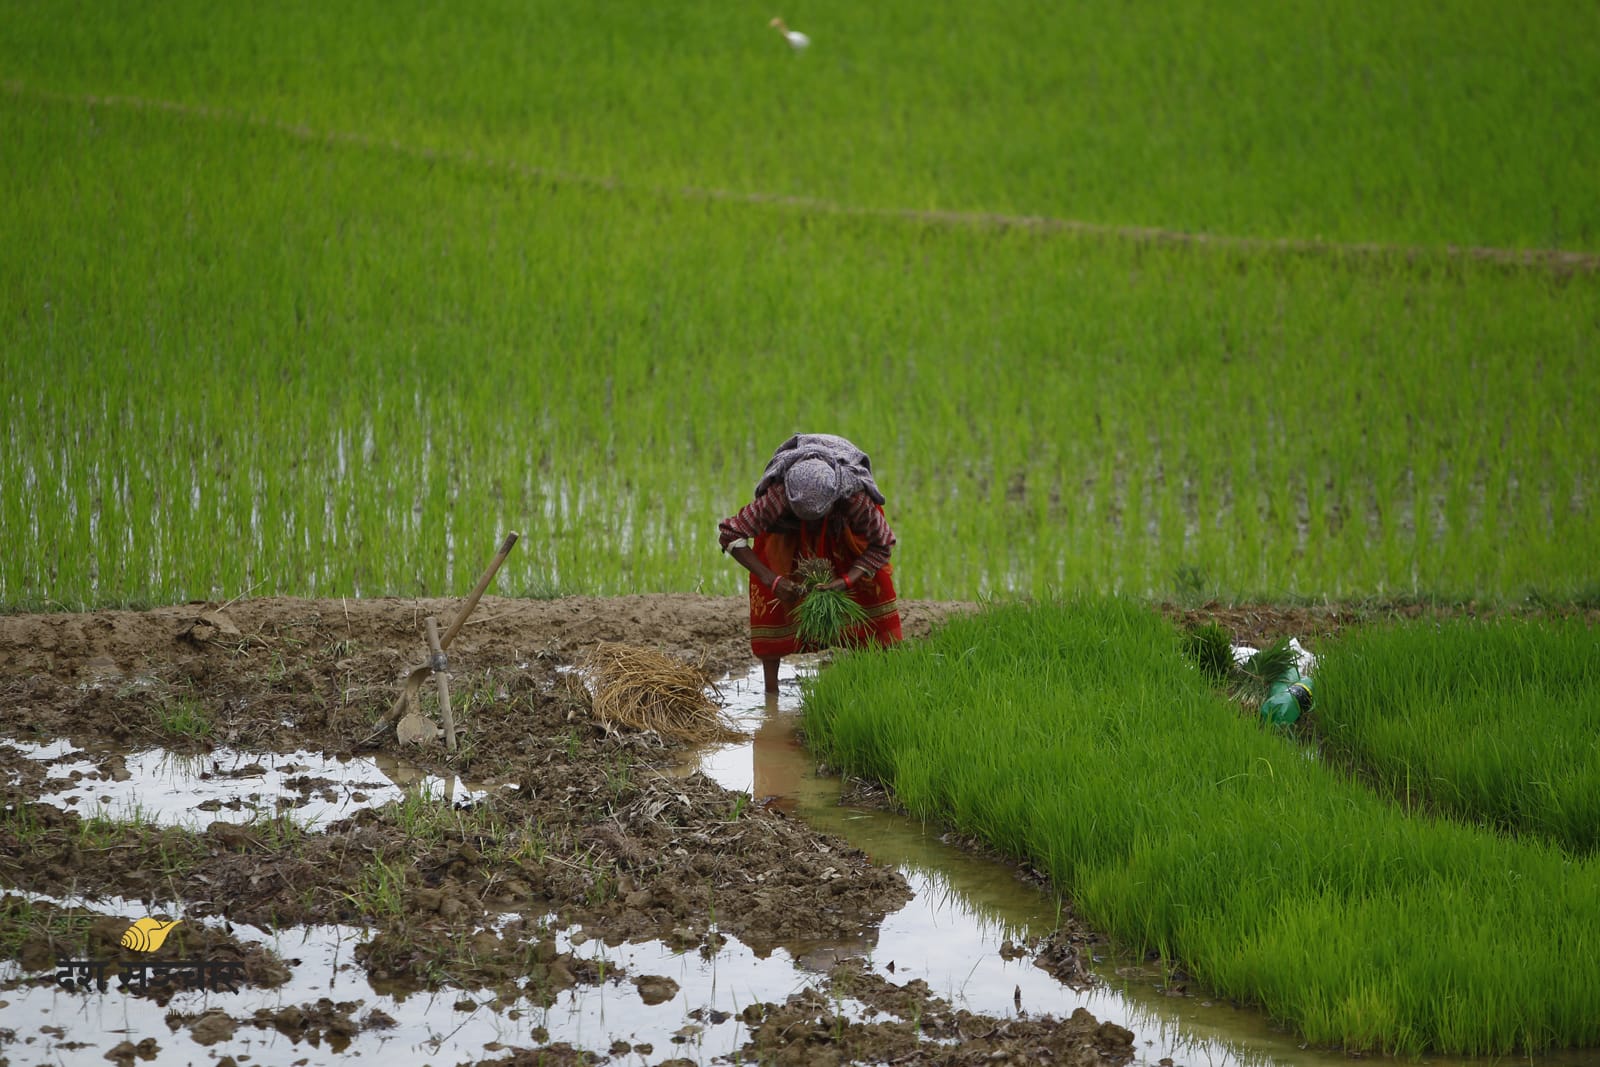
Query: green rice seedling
(1268,664)
(184,325)
(1211,649)
(334,493)
(824,618)
(1489,722)
(1210,158)
(1075,735)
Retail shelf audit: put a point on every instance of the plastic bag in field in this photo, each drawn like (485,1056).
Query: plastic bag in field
(1304,660)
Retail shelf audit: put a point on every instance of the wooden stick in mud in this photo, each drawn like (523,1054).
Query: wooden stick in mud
(483,583)
(414,679)
(441,675)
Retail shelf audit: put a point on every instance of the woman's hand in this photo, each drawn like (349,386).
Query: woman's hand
(837,585)
(788,590)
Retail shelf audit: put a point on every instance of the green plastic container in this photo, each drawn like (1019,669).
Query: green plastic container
(1287,698)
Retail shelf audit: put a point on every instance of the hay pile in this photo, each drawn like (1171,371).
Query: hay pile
(640,689)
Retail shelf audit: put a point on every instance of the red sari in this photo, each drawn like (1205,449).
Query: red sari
(772,623)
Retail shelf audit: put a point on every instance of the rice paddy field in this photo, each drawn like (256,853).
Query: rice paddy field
(1283,300)
(1288,871)
(1494,723)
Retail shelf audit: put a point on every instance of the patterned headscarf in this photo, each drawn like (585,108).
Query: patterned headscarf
(812,486)
(852,467)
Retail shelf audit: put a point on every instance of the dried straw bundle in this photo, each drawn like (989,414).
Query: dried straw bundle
(641,689)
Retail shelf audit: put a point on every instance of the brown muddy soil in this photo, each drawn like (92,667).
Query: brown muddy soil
(595,833)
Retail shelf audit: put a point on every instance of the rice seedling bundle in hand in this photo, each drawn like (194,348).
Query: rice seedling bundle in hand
(642,689)
(825,616)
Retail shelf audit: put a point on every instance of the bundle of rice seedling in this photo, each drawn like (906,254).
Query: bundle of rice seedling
(641,689)
(1251,680)
(1211,649)
(1268,665)
(825,617)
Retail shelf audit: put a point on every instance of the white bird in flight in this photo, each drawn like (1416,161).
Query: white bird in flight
(796,39)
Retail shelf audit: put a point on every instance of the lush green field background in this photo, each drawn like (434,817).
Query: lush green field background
(323,299)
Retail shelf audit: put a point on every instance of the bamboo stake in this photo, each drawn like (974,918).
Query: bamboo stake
(441,675)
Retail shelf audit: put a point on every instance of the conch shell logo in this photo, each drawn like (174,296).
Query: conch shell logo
(147,935)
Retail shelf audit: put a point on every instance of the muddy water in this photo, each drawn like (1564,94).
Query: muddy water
(693,1010)
(448,1026)
(965,908)
(169,788)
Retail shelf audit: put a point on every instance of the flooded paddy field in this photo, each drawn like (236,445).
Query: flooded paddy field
(206,778)
(547,888)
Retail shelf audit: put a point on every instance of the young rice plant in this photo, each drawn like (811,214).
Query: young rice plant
(1076,735)
(824,618)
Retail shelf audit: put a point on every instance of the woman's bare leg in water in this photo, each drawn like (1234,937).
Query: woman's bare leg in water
(769,668)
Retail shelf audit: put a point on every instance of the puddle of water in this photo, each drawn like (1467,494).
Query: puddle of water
(448,1026)
(965,907)
(228,785)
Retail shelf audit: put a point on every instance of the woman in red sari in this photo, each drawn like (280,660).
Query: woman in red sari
(816,498)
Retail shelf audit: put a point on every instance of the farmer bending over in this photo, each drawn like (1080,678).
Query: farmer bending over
(816,498)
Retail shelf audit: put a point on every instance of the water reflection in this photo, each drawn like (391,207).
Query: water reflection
(448,1025)
(777,759)
(225,784)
